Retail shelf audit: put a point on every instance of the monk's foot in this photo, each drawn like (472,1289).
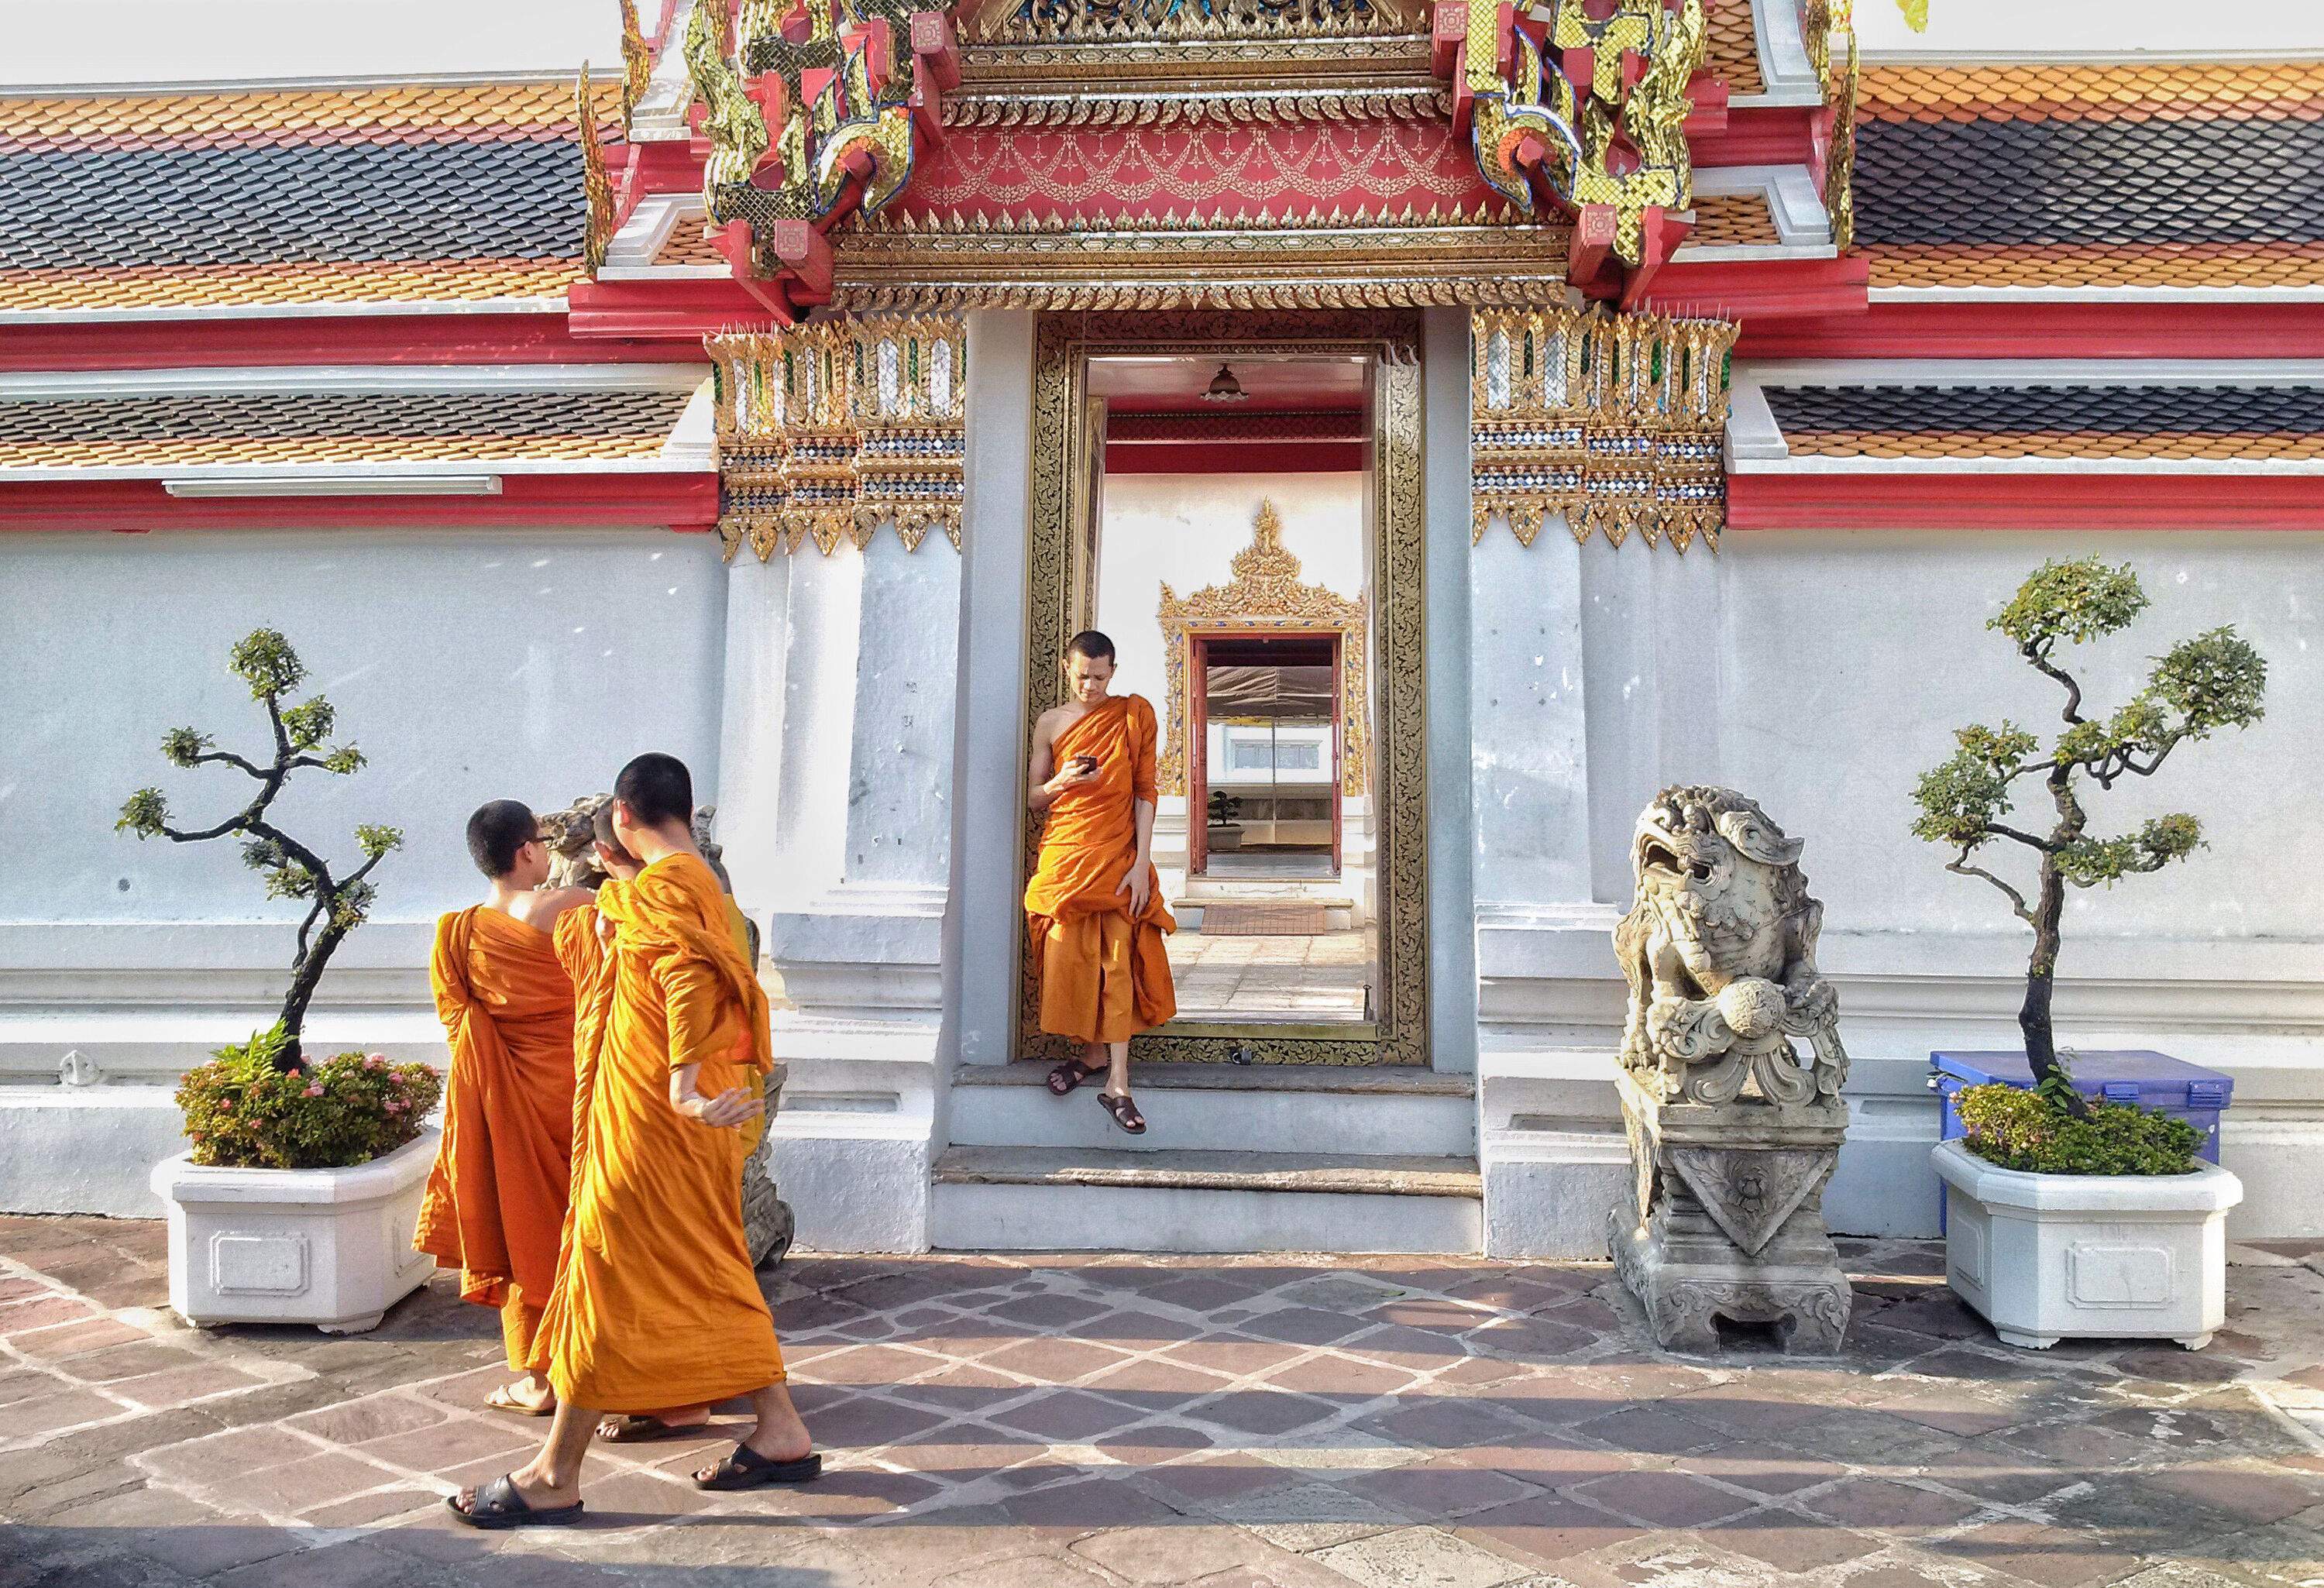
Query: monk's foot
(528,1487)
(1123,1112)
(635,1429)
(528,1397)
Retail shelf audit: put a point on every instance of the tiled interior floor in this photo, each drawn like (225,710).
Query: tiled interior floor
(1317,978)
(1272,1422)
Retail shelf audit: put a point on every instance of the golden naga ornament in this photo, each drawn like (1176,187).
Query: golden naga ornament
(1618,421)
(1559,113)
(813,111)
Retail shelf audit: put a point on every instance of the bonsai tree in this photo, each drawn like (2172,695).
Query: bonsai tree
(1224,807)
(2214,681)
(336,905)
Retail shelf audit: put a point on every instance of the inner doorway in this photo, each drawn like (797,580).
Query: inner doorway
(1242,518)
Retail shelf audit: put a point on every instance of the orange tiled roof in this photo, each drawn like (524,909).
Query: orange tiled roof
(415,193)
(1732,219)
(2151,175)
(432,426)
(1730,46)
(2164,424)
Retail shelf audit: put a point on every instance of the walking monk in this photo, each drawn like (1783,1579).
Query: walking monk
(656,1304)
(496,1200)
(1096,914)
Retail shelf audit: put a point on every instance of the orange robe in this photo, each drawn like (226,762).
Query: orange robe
(494,1207)
(656,1303)
(1104,977)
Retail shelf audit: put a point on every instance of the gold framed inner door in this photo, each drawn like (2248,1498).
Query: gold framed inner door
(1058,586)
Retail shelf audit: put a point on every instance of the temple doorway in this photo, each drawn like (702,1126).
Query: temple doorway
(1224,527)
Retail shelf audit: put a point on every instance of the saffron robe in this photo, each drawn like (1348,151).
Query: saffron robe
(656,1303)
(494,1206)
(1104,976)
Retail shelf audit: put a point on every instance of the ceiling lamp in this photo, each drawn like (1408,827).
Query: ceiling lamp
(1224,387)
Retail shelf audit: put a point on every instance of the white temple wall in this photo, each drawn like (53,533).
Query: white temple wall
(468,666)
(1821,673)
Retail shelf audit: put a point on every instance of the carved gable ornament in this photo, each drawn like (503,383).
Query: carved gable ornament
(1264,594)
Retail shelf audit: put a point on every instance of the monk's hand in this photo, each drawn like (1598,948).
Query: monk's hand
(737,1105)
(1073,775)
(1138,884)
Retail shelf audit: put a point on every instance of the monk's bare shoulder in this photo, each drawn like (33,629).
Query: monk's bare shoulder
(1046,725)
(543,906)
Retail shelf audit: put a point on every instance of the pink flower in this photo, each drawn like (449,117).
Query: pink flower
(396,1105)
(316,1090)
(377,1061)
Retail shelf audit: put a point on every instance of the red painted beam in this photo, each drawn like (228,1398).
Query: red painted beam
(1962,501)
(688,500)
(1242,457)
(1757,135)
(1761,288)
(2256,329)
(667,311)
(352,338)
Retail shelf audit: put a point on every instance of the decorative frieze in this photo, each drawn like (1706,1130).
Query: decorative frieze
(826,431)
(1616,420)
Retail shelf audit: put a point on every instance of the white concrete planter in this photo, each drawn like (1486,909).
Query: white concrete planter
(326,1247)
(2050,1257)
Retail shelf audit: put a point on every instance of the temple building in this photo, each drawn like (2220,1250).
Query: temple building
(1467,419)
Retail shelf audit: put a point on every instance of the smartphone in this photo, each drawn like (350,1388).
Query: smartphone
(1086,764)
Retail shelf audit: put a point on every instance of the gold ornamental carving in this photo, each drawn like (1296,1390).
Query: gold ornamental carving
(1064,342)
(1618,421)
(826,431)
(1265,593)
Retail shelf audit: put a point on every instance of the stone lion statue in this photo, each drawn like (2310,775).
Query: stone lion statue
(1720,954)
(767,1219)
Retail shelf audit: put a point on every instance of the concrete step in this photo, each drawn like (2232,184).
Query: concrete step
(1330,891)
(1372,1110)
(1036,1199)
(1338,914)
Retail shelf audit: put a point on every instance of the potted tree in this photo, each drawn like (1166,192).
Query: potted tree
(1223,832)
(2066,1217)
(297,1200)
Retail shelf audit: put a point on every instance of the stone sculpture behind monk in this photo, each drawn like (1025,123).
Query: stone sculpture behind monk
(768,1222)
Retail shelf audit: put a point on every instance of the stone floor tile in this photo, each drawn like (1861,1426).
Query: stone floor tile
(865,1422)
(221,1544)
(61,1342)
(1890,1508)
(58,1408)
(40,1312)
(369,1416)
(2051,1557)
(1053,1361)
(1049,1313)
(1156,1384)
(1529,1339)
(1437,1493)
(1890,1571)
(359,1564)
(1789,1542)
(1540,1459)
(455,1442)
(875,1365)
(1998,1473)
(238,1450)
(1263,1412)
(1232,1354)
(295,1486)
(183,1385)
(1138,1329)
(1227,1478)
(1086,1504)
(130,1359)
(1666,1499)
(1651,1430)
(1346,1380)
(2241,1491)
(1435,1423)
(1761,1466)
(1151,1443)
(1066,1417)
(1543,1529)
(1862,1437)
(1047,1569)
(1418,1557)
(1951,1410)
(1398,1346)
(1183,1554)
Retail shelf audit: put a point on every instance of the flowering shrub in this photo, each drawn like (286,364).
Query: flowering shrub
(242,1111)
(2031,1132)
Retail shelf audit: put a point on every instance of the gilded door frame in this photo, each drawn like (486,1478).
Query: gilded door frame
(1391,341)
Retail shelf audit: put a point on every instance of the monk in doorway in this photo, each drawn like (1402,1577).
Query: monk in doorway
(656,1304)
(495,1202)
(1093,909)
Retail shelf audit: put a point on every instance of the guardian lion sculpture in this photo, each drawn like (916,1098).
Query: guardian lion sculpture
(1720,953)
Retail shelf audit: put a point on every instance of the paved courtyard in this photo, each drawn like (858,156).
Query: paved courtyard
(1232,1423)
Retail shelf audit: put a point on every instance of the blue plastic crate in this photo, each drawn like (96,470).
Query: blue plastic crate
(2151,1080)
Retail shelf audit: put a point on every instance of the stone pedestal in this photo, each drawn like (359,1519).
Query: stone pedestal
(767,1223)
(1726,1220)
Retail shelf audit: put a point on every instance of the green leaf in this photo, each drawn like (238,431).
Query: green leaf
(144,813)
(1961,797)
(309,724)
(2214,681)
(264,660)
(2086,861)
(376,841)
(345,760)
(179,746)
(2074,601)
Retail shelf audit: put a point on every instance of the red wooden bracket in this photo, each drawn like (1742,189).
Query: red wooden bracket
(1593,242)
(805,251)
(937,49)
(1448,30)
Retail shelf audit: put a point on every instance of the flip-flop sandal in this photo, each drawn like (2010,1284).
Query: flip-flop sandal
(1070,1075)
(498,1506)
(1123,1112)
(641,1430)
(500,1399)
(747,1469)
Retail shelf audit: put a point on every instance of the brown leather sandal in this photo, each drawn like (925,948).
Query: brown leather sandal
(1067,1077)
(1123,1112)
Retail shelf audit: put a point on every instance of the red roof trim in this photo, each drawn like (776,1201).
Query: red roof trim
(2258,329)
(1963,500)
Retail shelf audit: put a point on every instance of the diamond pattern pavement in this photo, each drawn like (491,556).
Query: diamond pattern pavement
(1062,1422)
